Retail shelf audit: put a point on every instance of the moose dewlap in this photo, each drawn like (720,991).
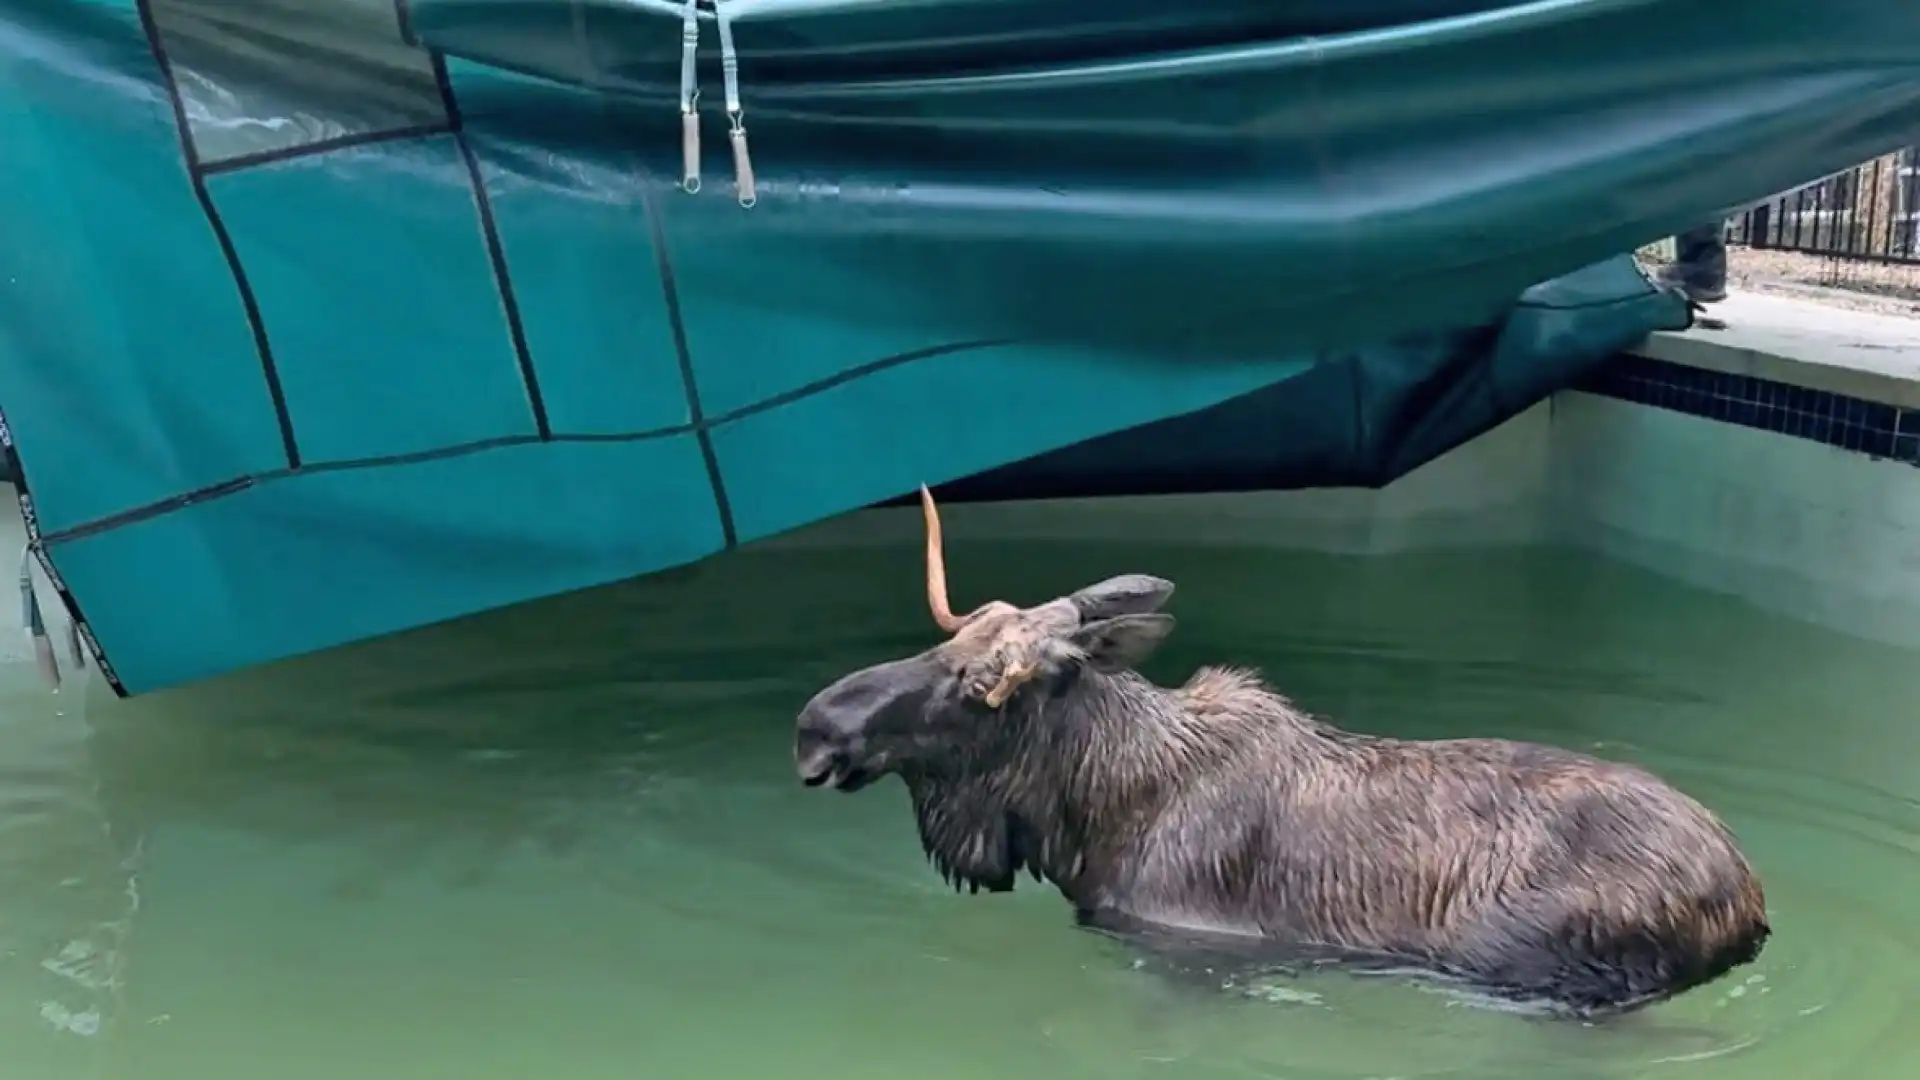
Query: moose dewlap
(1028,742)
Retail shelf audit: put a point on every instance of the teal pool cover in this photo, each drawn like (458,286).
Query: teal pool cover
(322,319)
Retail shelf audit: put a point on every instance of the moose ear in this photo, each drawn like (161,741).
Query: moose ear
(1122,641)
(1128,594)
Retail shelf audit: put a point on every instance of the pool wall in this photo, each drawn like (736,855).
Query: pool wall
(1775,461)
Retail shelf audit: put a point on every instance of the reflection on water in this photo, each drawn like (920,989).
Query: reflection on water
(65,911)
(567,840)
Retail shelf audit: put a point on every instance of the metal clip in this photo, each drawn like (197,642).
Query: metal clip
(736,126)
(689,97)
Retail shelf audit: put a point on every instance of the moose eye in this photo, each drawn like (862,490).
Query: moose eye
(977,683)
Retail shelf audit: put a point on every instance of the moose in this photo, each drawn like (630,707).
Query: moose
(1220,811)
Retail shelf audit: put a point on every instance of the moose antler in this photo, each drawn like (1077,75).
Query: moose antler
(937,568)
(1016,676)
(1015,672)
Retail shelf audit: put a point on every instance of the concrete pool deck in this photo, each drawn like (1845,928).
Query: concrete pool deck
(1806,342)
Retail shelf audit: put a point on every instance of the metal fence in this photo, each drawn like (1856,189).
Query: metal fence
(1870,213)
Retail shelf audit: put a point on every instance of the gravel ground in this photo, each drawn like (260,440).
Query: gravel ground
(1880,288)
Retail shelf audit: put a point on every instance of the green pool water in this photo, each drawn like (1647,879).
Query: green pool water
(565,842)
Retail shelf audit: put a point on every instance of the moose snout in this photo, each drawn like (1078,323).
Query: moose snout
(834,739)
(828,739)
(819,753)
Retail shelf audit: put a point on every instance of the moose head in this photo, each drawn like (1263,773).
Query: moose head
(953,704)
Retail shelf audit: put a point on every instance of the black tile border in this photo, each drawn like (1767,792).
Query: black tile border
(1859,425)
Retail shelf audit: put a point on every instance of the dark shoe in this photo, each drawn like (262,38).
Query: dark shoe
(1698,284)
(1699,267)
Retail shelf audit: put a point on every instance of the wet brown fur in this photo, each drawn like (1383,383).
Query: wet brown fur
(1220,809)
